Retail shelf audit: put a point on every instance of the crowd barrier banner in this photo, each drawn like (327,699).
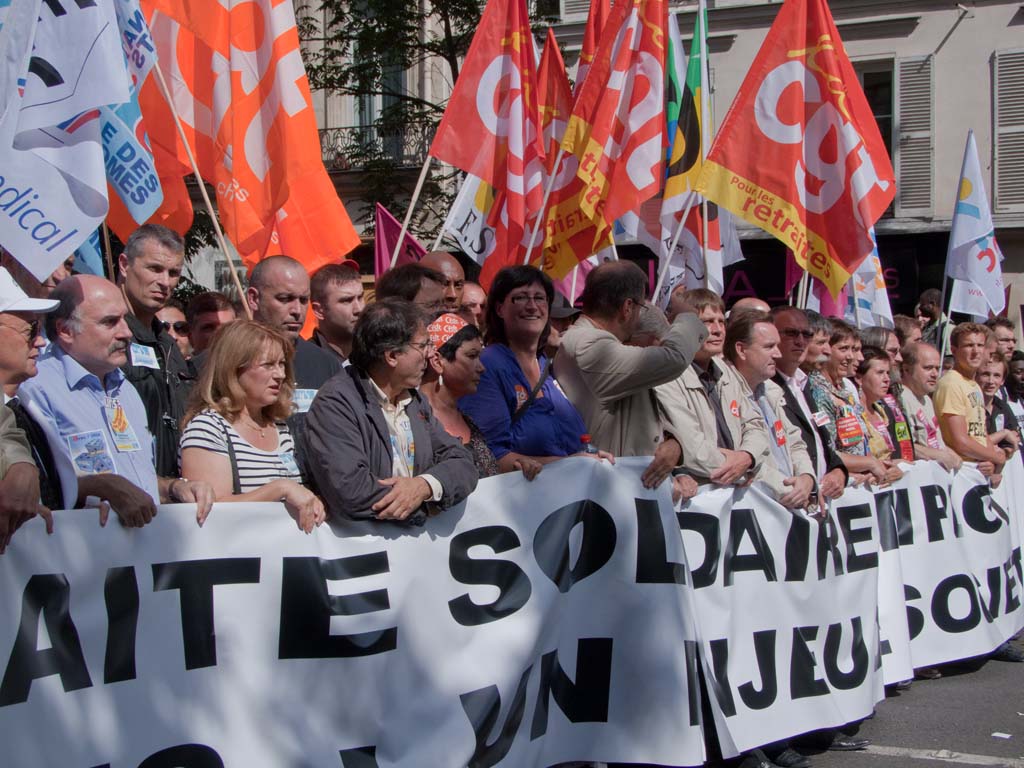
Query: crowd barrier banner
(545,622)
(787,613)
(539,623)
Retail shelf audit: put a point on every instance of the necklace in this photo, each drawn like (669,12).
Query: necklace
(252,423)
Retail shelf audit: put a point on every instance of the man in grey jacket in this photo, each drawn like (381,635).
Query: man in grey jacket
(374,447)
(611,383)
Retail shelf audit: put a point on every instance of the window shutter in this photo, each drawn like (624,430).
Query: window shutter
(1008,95)
(575,9)
(915,137)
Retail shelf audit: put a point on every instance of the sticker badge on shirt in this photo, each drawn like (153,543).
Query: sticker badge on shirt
(291,467)
(848,431)
(521,394)
(125,439)
(89,453)
(303,399)
(780,432)
(902,431)
(820,418)
(734,409)
(144,357)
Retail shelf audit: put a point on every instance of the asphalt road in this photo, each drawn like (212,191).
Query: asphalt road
(973,715)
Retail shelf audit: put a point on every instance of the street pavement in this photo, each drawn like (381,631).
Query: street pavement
(973,715)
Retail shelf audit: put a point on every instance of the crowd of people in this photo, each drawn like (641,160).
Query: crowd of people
(119,397)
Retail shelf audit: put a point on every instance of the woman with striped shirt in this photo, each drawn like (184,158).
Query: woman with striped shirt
(235,436)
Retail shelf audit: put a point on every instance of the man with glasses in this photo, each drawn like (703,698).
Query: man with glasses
(375,449)
(149,271)
(610,382)
(416,284)
(20,343)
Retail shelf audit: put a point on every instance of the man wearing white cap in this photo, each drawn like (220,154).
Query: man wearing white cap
(19,346)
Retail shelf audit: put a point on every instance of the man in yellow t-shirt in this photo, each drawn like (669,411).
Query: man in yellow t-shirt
(960,405)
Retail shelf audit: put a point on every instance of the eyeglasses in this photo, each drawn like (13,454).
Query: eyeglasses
(796,333)
(522,299)
(180,326)
(30,333)
(422,346)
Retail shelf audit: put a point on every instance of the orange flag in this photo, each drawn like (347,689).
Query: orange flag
(240,88)
(617,132)
(596,18)
(799,153)
(491,126)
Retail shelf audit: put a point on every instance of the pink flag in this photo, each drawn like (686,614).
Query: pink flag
(388,230)
(571,286)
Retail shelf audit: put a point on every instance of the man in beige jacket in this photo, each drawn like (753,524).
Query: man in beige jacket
(610,382)
(709,409)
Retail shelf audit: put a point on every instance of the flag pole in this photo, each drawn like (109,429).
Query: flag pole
(802,291)
(572,287)
(109,253)
(705,128)
(440,237)
(202,189)
(663,272)
(542,215)
(408,213)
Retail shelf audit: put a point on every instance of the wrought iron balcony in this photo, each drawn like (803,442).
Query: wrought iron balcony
(351,148)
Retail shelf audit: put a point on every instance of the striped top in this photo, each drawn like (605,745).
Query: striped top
(210,431)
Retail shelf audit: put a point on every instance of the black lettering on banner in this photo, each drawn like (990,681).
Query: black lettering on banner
(49,595)
(853,536)
(58,10)
(846,681)
(915,616)
(937,509)
(121,596)
(483,707)
(719,682)
(706,526)
(307,608)
(360,757)
(828,544)
(184,756)
(892,511)
(764,650)
(692,680)
(45,71)
(798,548)
(1015,558)
(940,604)
(802,682)
(974,510)
(509,578)
(652,563)
(583,701)
(743,524)
(551,542)
(195,580)
(995,593)
(1011,567)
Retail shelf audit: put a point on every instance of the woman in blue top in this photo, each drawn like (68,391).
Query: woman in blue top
(547,427)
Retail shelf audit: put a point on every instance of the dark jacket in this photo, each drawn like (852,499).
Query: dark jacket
(164,391)
(796,415)
(348,449)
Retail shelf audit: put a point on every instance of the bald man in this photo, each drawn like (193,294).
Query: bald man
(454,277)
(751,302)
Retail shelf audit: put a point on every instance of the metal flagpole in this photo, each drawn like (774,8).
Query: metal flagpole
(410,209)
(663,272)
(705,127)
(109,253)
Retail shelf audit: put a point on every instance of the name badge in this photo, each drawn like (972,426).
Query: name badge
(125,439)
(848,431)
(291,467)
(302,399)
(820,418)
(780,433)
(89,454)
(144,357)
(734,409)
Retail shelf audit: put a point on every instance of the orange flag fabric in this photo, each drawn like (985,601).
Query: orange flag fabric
(596,18)
(239,85)
(491,126)
(617,131)
(799,153)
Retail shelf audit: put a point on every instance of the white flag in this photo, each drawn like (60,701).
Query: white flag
(968,298)
(868,301)
(973,254)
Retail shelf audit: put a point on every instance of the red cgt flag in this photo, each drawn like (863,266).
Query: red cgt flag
(491,126)
(600,10)
(799,153)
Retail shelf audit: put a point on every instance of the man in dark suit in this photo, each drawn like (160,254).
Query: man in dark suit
(795,334)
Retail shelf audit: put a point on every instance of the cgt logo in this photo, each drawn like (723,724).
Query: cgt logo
(829,139)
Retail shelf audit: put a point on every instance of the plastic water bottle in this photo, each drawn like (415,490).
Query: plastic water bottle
(588,447)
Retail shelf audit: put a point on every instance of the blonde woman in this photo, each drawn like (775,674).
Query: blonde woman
(235,436)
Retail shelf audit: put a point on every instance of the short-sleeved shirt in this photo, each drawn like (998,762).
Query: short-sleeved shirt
(957,396)
(920,413)
(255,467)
(551,426)
(92,427)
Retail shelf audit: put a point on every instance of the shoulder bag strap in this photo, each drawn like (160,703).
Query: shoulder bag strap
(521,410)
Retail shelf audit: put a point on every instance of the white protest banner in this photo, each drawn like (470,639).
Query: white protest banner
(540,623)
(959,545)
(786,614)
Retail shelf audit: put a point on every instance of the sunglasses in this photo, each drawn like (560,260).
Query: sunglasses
(180,326)
(795,333)
(30,333)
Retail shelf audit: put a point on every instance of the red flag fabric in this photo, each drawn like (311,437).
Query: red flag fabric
(600,10)
(799,153)
(491,126)
(388,229)
(238,83)
(617,131)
